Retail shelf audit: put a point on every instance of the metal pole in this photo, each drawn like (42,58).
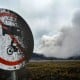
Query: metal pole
(13,76)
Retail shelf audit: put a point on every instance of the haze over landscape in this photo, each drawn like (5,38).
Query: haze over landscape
(55,24)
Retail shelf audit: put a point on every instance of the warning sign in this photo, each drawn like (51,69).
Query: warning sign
(16,41)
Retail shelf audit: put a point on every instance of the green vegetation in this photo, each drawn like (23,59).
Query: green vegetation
(54,70)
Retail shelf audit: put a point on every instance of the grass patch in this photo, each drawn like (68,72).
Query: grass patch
(54,70)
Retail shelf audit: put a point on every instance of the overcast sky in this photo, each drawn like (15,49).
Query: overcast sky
(45,17)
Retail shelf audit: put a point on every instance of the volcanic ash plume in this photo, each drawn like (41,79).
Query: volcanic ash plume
(66,43)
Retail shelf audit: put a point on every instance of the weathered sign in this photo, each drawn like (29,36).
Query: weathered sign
(16,41)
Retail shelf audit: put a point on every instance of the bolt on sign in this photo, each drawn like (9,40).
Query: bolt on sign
(16,41)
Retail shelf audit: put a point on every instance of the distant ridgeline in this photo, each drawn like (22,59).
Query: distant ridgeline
(36,56)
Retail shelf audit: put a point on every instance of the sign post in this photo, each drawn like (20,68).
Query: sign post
(16,42)
(14,76)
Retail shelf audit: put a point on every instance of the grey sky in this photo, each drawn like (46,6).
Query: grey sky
(45,17)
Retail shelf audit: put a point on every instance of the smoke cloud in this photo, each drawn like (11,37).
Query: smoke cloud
(65,43)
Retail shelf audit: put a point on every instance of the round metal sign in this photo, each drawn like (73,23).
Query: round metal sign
(16,40)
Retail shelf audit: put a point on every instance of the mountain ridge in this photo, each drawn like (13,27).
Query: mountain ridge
(36,56)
